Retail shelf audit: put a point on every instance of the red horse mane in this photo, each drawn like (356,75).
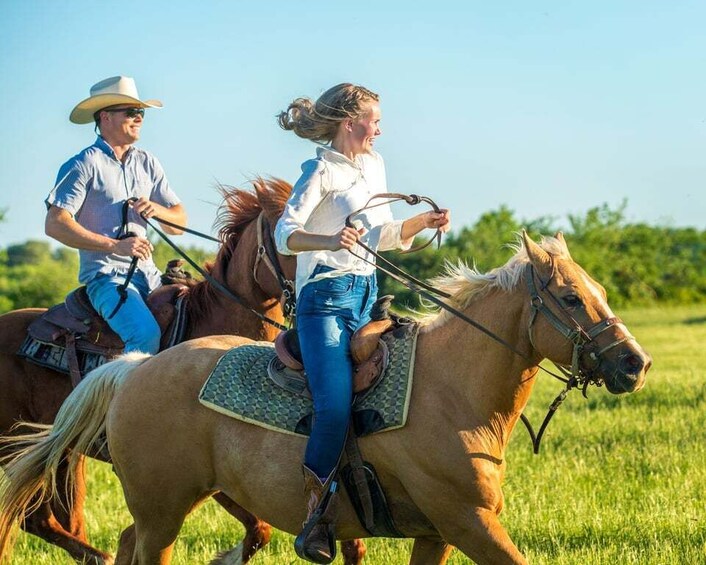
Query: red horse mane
(239,208)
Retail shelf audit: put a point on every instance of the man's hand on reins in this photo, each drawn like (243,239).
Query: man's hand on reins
(139,247)
(173,214)
(144,207)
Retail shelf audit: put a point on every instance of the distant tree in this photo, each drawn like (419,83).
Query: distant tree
(163,253)
(44,285)
(30,252)
(636,263)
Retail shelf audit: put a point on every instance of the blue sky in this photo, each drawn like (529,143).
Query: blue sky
(547,107)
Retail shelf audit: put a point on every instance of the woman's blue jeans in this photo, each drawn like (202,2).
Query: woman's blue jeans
(134,322)
(328,312)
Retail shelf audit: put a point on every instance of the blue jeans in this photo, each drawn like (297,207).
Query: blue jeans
(328,312)
(134,322)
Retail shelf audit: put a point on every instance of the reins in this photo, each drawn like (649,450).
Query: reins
(425,290)
(580,337)
(123,233)
(207,276)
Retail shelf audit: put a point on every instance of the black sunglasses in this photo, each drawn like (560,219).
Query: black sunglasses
(129,112)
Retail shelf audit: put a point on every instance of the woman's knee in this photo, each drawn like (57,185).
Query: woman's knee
(334,416)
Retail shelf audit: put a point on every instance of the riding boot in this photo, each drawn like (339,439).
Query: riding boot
(317,541)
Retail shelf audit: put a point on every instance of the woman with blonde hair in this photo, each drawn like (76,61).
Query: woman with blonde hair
(335,289)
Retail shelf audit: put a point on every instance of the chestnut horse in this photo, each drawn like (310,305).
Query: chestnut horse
(34,394)
(442,471)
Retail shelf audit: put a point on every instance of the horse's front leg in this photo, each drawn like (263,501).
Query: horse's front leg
(257,532)
(465,514)
(479,534)
(353,551)
(430,552)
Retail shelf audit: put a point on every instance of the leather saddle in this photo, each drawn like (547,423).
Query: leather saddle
(369,352)
(76,326)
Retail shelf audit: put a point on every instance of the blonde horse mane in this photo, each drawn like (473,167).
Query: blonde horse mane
(465,283)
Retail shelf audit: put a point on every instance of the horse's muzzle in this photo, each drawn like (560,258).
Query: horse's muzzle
(626,370)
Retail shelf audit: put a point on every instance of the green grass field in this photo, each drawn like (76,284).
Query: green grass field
(620,480)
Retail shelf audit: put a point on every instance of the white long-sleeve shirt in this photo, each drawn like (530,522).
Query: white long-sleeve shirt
(332,187)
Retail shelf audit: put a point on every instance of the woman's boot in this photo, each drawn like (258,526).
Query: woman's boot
(317,541)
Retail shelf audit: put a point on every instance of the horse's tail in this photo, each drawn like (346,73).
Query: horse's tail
(30,469)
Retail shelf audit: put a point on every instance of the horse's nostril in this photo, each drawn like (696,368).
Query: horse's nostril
(632,364)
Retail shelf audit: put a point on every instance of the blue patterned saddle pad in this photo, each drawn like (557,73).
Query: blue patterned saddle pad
(240,387)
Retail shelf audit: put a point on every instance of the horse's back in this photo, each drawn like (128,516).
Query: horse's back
(29,392)
(176,372)
(13,327)
(161,396)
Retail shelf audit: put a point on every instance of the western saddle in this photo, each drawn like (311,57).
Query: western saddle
(73,338)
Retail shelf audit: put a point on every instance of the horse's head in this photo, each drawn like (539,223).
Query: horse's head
(247,263)
(572,324)
(274,272)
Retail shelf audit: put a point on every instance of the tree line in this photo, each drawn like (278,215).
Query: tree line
(637,263)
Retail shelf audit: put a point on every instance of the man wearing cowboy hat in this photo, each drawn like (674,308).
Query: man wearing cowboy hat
(90,209)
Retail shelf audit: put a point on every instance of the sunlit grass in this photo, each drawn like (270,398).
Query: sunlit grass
(619,480)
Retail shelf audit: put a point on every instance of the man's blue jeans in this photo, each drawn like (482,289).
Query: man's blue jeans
(328,312)
(134,322)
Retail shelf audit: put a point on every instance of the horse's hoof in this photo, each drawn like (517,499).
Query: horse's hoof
(230,557)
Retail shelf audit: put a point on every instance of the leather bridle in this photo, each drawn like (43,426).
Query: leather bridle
(583,340)
(267,255)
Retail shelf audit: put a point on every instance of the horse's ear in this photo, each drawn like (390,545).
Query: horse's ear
(537,256)
(560,237)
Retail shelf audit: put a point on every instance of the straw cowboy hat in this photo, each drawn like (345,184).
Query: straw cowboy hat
(109,92)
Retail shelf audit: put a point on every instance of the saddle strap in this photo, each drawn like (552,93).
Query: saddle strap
(72,358)
(360,480)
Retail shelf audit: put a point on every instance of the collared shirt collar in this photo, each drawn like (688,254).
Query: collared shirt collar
(330,154)
(104,146)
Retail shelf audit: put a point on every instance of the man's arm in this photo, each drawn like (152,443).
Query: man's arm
(174,214)
(62,226)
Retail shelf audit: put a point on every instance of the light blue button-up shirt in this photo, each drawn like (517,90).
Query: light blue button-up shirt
(93,186)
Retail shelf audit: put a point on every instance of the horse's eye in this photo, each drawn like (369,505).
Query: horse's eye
(571,301)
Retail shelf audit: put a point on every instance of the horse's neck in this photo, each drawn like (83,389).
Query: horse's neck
(226,315)
(484,383)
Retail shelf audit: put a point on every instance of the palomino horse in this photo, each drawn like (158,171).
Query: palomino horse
(442,471)
(34,394)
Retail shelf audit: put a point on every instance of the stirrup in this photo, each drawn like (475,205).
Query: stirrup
(300,543)
(300,546)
